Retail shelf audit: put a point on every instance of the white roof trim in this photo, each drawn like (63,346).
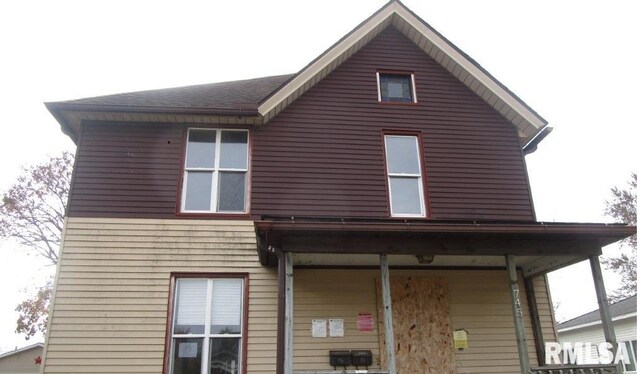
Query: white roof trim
(598,322)
(325,60)
(470,68)
(23,349)
(524,118)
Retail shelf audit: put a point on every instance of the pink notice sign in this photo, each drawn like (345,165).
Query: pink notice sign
(365,322)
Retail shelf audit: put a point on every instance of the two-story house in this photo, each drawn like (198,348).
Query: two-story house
(376,202)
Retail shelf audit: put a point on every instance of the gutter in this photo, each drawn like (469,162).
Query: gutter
(57,109)
(532,145)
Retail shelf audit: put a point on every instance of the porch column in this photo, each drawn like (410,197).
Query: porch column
(288,314)
(535,319)
(387,314)
(603,304)
(516,307)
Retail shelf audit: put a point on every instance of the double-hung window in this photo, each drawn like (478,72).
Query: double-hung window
(206,335)
(404,176)
(215,172)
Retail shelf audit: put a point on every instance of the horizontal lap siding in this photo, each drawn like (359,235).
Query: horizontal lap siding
(625,330)
(127,169)
(110,309)
(479,302)
(323,155)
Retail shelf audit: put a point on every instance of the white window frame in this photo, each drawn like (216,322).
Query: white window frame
(413,87)
(423,210)
(207,335)
(216,169)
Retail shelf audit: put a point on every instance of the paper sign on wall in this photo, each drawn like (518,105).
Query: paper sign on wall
(187,350)
(460,339)
(336,328)
(365,322)
(319,328)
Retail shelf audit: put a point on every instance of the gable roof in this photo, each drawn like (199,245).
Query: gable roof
(626,307)
(526,120)
(264,98)
(23,349)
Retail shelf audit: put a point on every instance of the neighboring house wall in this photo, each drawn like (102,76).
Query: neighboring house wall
(324,155)
(479,302)
(21,362)
(110,308)
(625,329)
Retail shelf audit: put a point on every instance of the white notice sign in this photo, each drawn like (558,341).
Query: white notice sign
(187,350)
(319,328)
(336,328)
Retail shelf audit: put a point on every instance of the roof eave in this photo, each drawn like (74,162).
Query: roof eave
(61,106)
(595,323)
(62,112)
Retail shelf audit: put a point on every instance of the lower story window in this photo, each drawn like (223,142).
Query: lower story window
(207,326)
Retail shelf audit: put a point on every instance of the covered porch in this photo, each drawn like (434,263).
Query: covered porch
(484,280)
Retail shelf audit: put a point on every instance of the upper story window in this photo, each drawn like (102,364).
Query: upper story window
(215,172)
(396,88)
(404,176)
(207,328)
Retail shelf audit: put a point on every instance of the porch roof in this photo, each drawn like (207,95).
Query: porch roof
(569,241)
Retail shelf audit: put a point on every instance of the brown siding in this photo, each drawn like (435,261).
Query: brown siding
(126,169)
(323,155)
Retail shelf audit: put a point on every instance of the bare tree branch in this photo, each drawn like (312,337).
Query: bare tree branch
(32,212)
(622,207)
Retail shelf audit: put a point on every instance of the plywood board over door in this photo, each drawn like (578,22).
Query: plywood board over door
(421,325)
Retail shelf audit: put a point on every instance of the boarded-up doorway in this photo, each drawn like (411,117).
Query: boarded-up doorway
(421,325)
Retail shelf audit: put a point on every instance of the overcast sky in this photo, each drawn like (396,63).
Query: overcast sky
(575,62)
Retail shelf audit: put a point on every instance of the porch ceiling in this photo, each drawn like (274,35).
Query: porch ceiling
(539,246)
(530,265)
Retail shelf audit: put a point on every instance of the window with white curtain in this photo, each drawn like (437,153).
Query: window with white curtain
(207,326)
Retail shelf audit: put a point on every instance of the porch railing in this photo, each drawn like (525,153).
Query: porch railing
(362,371)
(576,369)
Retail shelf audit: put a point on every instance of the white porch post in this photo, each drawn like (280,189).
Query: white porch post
(603,304)
(388,314)
(516,307)
(288,314)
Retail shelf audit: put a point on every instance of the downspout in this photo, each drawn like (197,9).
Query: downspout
(280,317)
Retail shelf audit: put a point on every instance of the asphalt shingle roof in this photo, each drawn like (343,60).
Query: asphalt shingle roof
(236,95)
(622,307)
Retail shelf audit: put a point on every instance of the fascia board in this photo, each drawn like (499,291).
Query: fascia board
(326,59)
(471,68)
(384,15)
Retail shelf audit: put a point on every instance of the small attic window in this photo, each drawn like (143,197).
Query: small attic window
(396,88)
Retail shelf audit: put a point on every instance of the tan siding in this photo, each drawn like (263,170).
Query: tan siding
(479,302)
(545,309)
(109,314)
